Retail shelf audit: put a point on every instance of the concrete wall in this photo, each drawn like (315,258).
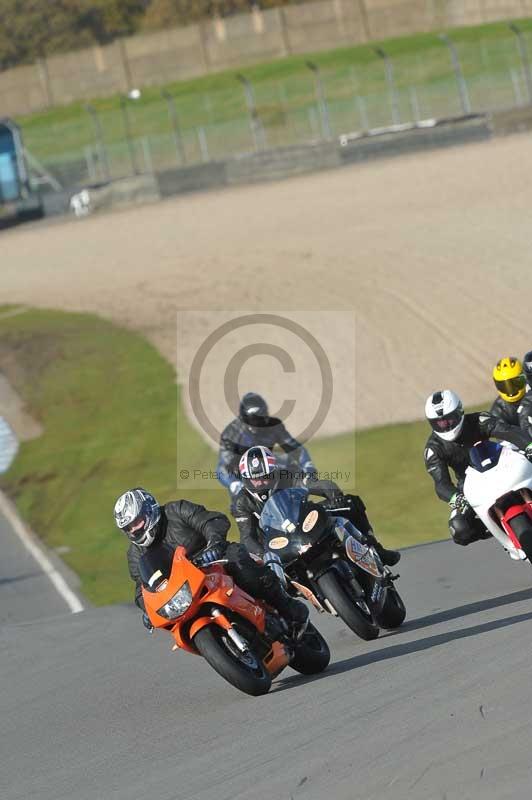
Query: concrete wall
(213,45)
(270,165)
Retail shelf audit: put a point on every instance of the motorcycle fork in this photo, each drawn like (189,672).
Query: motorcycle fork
(348,574)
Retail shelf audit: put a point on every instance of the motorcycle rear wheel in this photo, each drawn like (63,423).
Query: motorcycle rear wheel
(360,621)
(312,654)
(243,671)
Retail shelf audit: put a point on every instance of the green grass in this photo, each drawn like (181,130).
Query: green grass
(110,408)
(285,96)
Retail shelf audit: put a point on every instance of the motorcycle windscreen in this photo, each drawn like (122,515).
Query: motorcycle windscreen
(282,511)
(155,566)
(292,524)
(485,455)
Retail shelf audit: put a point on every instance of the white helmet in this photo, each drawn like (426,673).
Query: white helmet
(445,413)
(137,513)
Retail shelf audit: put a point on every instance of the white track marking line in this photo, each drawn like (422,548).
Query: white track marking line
(72,601)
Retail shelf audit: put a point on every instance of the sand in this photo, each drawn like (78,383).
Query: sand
(424,260)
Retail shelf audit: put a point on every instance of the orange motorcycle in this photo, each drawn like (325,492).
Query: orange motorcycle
(244,640)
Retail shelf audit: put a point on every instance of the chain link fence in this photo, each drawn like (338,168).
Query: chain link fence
(155,132)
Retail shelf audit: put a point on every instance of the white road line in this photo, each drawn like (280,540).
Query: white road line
(72,601)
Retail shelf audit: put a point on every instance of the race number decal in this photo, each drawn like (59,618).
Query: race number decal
(278,543)
(309,521)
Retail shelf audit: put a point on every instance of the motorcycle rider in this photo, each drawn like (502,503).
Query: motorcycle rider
(254,426)
(453,434)
(203,535)
(525,407)
(510,382)
(261,477)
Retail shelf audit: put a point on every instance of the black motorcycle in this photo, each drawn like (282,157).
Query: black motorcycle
(335,570)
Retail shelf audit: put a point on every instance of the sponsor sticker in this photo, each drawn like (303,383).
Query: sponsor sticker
(278,543)
(157,574)
(288,526)
(309,521)
(376,593)
(362,556)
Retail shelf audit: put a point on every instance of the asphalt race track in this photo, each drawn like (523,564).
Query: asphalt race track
(91,706)
(26,594)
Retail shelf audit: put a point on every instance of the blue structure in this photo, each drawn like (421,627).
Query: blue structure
(12,169)
(16,197)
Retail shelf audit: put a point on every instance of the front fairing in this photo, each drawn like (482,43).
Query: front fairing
(484,490)
(512,472)
(174,574)
(291,526)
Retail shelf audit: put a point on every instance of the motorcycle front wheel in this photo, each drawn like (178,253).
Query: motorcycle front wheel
(244,671)
(393,611)
(522,528)
(345,604)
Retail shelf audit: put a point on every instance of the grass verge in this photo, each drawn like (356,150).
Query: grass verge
(109,406)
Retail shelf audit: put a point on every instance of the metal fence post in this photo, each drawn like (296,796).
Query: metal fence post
(100,142)
(203,144)
(89,160)
(523,53)
(517,88)
(363,112)
(172,113)
(134,94)
(322,102)
(392,88)
(414,102)
(146,150)
(257,131)
(313,121)
(460,79)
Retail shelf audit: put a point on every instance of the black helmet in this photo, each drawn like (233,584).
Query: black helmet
(253,409)
(259,472)
(527,367)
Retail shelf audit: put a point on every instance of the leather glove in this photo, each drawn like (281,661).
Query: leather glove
(147,623)
(213,552)
(459,502)
(528,452)
(235,486)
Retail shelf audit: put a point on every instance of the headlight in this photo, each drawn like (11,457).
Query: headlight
(178,604)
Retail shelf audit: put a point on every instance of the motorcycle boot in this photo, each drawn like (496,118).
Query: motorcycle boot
(293,611)
(388,557)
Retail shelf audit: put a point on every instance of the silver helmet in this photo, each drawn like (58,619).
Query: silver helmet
(137,513)
(445,413)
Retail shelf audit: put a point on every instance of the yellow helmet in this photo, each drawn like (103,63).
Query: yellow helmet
(509,379)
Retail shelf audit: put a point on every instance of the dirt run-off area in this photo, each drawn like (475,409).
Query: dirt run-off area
(431,251)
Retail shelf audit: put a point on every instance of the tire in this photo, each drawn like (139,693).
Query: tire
(522,527)
(360,621)
(215,647)
(394,612)
(312,653)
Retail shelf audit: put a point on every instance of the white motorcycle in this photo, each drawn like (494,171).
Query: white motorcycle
(498,487)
